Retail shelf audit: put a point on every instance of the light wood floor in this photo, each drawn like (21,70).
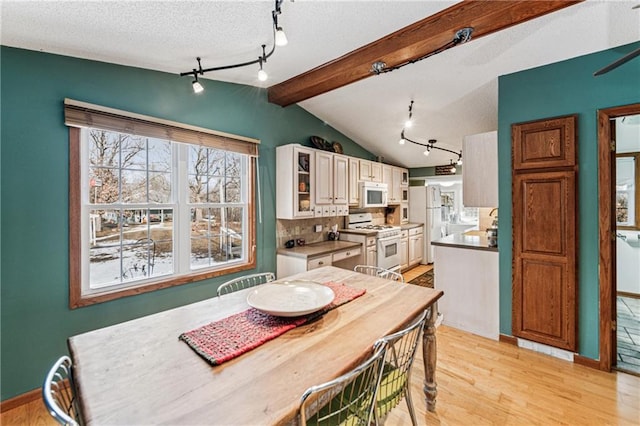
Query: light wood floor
(416,271)
(483,382)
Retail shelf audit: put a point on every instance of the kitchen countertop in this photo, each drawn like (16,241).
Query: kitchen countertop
(476,241)
(367,232)
(318,249)
(411,225)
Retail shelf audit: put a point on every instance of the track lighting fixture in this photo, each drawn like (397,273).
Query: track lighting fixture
(197,87)
(409,123)
(262,74)
(279,39)
(463,35)
(430,144)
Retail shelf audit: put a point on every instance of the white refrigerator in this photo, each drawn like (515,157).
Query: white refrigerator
(425,206)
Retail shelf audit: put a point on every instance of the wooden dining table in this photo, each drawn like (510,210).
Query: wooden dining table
(139,372)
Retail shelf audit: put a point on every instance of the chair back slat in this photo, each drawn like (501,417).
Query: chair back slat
(59,393)
(394,384)
(377,271)
(348,399)
(246,281)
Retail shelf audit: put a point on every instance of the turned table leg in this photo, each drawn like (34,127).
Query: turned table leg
(429,357)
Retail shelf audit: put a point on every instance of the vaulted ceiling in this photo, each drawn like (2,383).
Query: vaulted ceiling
(455,92)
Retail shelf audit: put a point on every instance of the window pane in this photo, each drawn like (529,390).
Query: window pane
(159,187)
(159,155)
(134,186)
(104,249)
(234,164)
(103,186)
(104,148)
(197,160)
(216,161)
(134,152)
(214,190)
(232,190)
(231,233)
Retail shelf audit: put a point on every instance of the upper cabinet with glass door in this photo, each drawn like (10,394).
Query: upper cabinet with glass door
(294,171)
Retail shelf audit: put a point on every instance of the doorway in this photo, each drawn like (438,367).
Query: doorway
(619,308)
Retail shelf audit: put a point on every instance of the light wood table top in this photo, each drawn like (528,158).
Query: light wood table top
(138,372)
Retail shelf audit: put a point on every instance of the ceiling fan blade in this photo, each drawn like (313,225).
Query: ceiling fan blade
(617,63)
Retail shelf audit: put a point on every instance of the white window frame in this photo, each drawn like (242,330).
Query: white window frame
(80,292)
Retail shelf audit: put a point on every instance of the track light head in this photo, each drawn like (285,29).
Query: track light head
(197,87)
(281,37)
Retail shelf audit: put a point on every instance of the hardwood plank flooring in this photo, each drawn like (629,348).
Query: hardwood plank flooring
(482,382)
(416,271)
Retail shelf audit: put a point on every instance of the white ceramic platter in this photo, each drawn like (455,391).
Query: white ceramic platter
(290,298)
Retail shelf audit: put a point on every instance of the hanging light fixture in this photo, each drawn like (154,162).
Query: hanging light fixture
(409,123)
(262,74)
(279,39)
(430,144)
(197,87)
(452,169)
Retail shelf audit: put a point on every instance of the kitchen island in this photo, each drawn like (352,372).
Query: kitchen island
(466,269)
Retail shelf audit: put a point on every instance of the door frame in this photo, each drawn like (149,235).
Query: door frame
(606,228)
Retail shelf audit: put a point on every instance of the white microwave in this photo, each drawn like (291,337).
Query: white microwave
(373,194)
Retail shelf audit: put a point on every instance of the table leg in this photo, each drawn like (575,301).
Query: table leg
(429,356)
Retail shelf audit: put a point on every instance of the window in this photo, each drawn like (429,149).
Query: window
(627,191)
(151,209)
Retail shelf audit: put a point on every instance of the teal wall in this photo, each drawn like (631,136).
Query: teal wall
(35,318)
(554,90)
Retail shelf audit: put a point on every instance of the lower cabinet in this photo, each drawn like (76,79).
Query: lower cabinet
(416,240)
(404,250)
(346,259)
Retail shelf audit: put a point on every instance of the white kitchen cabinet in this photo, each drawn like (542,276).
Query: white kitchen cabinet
(345,258)
(393,176)
(416,239)
(404,250)
(396,191)
(354,175)
(480,170)
(370,171)
(294,182)
(331,183)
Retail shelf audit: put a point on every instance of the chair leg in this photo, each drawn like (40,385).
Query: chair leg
(407,397)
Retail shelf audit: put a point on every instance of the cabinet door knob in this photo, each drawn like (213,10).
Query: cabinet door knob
(321,263)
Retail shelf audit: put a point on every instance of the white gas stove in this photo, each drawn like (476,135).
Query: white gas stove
(387,237)
(364,222)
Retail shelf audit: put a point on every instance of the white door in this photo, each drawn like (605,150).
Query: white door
(340,180)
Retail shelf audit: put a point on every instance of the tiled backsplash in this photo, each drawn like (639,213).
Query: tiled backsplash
(305,229)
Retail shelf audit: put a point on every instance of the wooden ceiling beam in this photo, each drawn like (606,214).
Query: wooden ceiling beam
(412,42)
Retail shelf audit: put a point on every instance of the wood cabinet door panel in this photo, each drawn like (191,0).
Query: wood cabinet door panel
(544,233)
(544,144)
(544,296)
(543,201)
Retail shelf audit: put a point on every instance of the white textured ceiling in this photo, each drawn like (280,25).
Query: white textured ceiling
(455,92)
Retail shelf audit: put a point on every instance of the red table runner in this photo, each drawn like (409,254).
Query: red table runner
(230,337)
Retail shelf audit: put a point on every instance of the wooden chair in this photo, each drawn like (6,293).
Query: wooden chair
(346,400)
(395,381)
(59,393)
(245,282)
(377,271)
